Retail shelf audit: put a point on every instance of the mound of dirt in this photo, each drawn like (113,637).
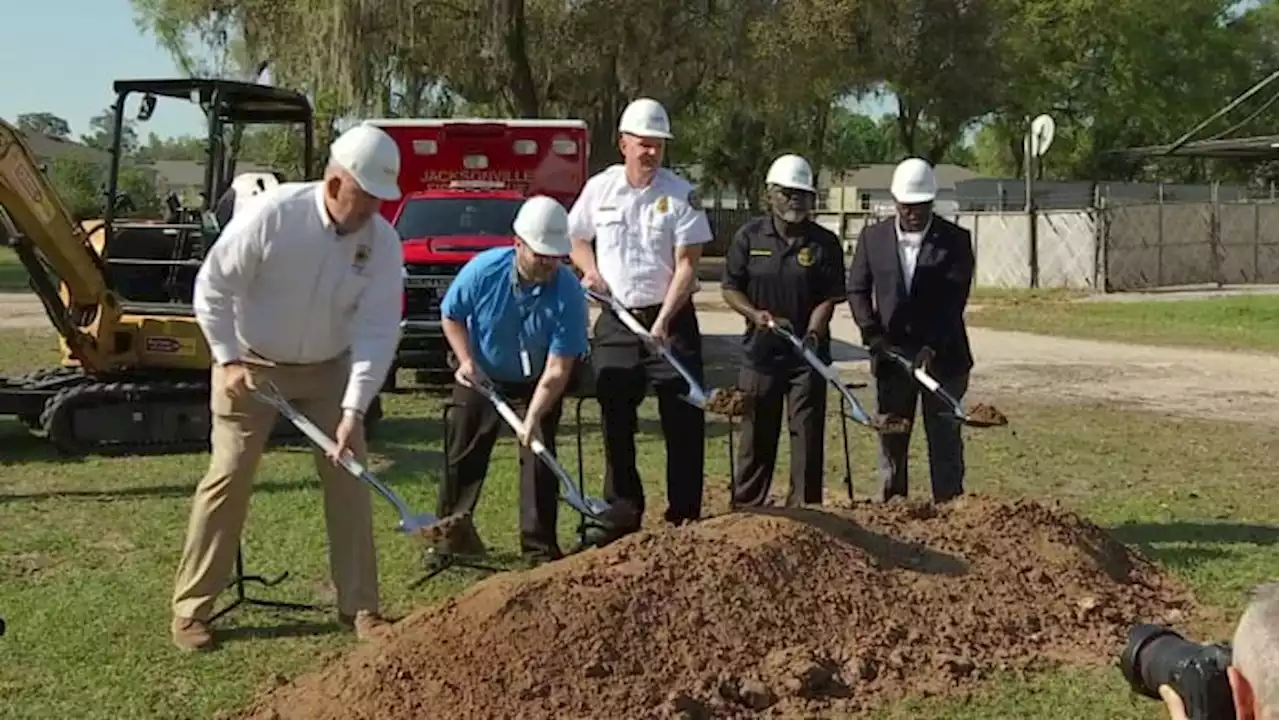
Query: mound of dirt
(772,613)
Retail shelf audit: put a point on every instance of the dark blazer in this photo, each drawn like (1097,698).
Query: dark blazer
(932,313)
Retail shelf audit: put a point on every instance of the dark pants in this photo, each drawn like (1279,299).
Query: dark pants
(896,394)
(623,368)
(473,429)
(805,394)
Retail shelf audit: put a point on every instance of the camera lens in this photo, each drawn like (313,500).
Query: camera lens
(1153,658)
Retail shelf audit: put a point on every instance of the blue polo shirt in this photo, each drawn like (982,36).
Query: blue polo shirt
(504,316)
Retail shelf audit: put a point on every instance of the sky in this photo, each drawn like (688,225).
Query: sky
(61,56)
(43,68)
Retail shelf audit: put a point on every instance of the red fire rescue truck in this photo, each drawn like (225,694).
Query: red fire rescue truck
(463,180)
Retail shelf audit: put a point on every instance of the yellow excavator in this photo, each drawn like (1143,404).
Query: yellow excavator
(135,372)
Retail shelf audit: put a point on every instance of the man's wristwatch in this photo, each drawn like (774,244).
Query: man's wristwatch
(352,413)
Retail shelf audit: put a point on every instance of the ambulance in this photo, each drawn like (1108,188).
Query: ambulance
(462,181)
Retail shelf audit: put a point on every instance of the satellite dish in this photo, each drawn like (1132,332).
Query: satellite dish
(1041,134)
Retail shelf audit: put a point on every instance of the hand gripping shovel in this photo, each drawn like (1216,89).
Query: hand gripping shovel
(982,416)
(724,402)
(856,413)
(594,508)
(410,523)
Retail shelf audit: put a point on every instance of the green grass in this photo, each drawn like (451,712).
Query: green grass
(1225,323)
(13,276)
(89,546)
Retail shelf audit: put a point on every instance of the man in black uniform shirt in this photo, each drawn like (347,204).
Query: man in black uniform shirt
(783,268)
(908,286)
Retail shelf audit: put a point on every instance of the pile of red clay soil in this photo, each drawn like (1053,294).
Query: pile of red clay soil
(774,613)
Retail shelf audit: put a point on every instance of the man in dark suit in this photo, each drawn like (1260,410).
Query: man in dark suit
(908,286)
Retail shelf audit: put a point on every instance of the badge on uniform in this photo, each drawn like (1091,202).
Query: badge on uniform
(663,205)
(805,257)
(362,257)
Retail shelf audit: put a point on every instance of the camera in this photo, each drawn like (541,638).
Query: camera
(1158,656)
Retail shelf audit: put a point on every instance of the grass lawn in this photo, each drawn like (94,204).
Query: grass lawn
(1227,323)
(89,546)
(13,276)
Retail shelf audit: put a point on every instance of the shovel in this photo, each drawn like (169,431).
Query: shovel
(594,508)
(990,418)
(857,414)
(724,402)
(411,523)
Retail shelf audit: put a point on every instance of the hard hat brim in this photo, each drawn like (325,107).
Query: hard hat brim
(650,134)
(553,246)
(914,198)
(797,186)
(382,191)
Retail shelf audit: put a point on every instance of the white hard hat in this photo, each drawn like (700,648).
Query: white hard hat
(791,171)
(543,224)
(248,186)
(372,158)
(913,182)
(646,118)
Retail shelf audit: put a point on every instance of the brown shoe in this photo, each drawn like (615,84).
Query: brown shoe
(191,634)
(367,624)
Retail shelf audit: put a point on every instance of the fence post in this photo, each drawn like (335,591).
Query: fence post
(1257,241)
(1160,234)
(1215,234)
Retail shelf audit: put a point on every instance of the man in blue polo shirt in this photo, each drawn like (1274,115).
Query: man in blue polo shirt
(517,317)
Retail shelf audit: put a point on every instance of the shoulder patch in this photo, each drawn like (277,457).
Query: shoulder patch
(694,201)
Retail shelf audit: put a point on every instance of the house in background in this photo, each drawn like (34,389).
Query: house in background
(866,189)
(46,148)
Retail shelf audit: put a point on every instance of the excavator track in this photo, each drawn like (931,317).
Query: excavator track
(128,417)
(88,416)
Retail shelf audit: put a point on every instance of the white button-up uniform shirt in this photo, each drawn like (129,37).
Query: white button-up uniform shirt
(282,282)
(637,231)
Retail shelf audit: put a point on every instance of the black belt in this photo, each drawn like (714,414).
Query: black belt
(273,361)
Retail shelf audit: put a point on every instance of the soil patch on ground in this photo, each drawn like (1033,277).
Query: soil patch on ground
(777,613)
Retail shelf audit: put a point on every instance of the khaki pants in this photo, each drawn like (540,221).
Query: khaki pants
(240,428)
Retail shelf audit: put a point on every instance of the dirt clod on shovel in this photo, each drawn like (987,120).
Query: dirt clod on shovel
(781,613)
(987,415)
(454,534)
(893,425)
(730,402)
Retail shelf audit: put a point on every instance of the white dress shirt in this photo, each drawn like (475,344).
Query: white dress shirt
(637,231)
(909,249)
(282,282)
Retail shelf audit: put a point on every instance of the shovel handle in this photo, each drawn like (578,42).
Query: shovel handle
(827,372)
(567,488)
(272,395)
(697,395)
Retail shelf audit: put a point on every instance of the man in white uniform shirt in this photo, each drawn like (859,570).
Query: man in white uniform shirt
(649,229)
(908,285)
(302,289)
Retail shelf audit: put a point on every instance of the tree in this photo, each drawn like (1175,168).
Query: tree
(44,123)
(102,132)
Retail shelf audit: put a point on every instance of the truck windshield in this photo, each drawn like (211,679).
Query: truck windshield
(444,217)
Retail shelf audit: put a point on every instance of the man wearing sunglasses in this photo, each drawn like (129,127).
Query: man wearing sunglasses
(783,269)
(516,319)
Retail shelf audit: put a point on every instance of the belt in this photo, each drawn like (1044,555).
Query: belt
(269,362)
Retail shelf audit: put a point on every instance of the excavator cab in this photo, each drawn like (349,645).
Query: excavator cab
(135,372)
(152,263)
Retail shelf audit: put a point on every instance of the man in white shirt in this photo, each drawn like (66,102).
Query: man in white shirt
(649,228)
(908,286)
(301,289)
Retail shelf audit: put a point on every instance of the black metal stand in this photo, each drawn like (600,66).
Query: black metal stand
(242,597)
(435,561)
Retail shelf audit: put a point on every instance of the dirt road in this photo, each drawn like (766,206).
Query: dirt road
(1189,382)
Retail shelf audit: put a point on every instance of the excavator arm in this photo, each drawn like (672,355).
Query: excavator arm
(49,240)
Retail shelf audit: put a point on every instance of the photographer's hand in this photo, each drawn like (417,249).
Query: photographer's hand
(1173,701)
